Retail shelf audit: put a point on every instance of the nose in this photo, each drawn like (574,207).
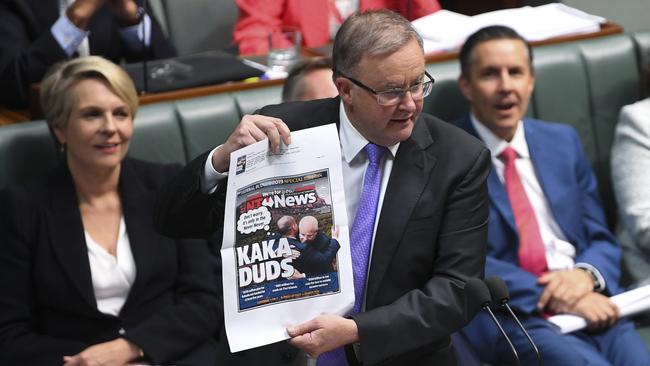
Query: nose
(109,127)
(505,81)
(407,103)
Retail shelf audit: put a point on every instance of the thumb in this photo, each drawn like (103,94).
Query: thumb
(303,328)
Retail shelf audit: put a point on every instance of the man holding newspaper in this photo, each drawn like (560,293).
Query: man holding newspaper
(416,197)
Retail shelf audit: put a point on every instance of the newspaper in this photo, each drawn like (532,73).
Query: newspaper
(629,303)
(271,278)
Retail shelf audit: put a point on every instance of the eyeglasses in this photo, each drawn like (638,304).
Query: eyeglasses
(394,96)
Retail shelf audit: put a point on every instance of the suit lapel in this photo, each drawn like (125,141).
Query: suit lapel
(497,190)
(550,173)
(411,168)
(137,205)
(67,233)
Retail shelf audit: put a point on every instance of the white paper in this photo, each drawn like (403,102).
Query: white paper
(304,179)
(447,30)
(629,303)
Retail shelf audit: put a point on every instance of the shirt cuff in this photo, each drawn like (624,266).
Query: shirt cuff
(599,280)
(67,35)
(210,179)
(132,35)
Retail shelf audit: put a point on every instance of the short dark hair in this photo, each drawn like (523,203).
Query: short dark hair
(293,88)
(491,33)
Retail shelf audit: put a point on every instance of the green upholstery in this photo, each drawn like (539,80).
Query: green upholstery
(248,101)
(27,150)
(157,135)
(642,44)
(446,100)
(206,122)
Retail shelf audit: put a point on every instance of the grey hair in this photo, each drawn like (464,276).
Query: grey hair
(370,33)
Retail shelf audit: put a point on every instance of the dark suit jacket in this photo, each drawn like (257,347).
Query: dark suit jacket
(28,49)
(315,258)
(47,306)
(430,237)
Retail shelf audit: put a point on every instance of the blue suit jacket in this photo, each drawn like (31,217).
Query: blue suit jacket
(570,187)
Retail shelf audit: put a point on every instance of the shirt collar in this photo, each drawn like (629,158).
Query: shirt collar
(352,142)
(496,144)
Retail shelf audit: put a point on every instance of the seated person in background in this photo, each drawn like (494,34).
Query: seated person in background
(84,277)
(416,198)
(630,167)
(317,20)
(309,79)
(547,235)
(35,35)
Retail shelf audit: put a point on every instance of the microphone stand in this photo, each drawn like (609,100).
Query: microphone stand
(494,319)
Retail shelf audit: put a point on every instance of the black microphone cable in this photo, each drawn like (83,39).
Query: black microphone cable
(500,295)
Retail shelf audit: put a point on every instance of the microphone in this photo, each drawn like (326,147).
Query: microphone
(500,295)
(478,293)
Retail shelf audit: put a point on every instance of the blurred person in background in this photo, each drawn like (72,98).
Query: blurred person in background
(310,79)
(84,277)
(317,20)
(630,166)
(35,35)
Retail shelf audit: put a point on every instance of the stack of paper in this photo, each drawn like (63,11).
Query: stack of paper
(446,30)
(629,303)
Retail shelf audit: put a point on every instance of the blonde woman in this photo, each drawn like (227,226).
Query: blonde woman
(84,277)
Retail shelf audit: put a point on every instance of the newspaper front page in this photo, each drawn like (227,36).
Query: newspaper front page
(285,252)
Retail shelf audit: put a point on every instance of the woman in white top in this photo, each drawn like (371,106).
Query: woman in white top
(84,277)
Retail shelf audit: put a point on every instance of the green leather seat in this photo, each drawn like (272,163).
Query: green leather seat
(157,135)
(27,150)
(206,122)
(446,101)
(248,101)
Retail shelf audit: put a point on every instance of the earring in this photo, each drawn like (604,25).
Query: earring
(62,149)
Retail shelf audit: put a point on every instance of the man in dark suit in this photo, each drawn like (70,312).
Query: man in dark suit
(309,259)
(547,236)
(35,34)
(420,209)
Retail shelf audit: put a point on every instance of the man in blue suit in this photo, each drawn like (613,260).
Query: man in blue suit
(547,236)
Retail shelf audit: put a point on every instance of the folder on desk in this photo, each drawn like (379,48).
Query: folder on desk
(205,68)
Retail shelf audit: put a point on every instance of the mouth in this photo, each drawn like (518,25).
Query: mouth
(402,120)
(505,106)
(108,147)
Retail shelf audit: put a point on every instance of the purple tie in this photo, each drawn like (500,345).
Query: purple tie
(360,240)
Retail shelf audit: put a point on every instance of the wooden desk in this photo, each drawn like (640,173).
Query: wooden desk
(12,116)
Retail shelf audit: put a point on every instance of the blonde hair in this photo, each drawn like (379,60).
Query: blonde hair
(56,100)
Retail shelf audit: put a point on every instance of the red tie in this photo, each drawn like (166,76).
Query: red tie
(532,254)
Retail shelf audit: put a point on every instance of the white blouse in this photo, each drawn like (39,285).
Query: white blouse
(112,276)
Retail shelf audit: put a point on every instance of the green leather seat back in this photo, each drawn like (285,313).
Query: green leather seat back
(206,122)
(157,135)
(248,101)
(642,43)
(613,77)
(446,101)
(27,151)
(561,91)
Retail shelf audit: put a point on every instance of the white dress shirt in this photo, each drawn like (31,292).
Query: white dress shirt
(112,276)
(560,254)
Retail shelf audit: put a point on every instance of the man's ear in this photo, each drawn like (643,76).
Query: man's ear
(465,88)
(344,87)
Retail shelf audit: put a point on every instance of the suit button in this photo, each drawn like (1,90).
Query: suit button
(121,331)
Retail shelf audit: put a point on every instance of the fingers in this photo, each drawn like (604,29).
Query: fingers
(303,328)
(544,299)
(251,129)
